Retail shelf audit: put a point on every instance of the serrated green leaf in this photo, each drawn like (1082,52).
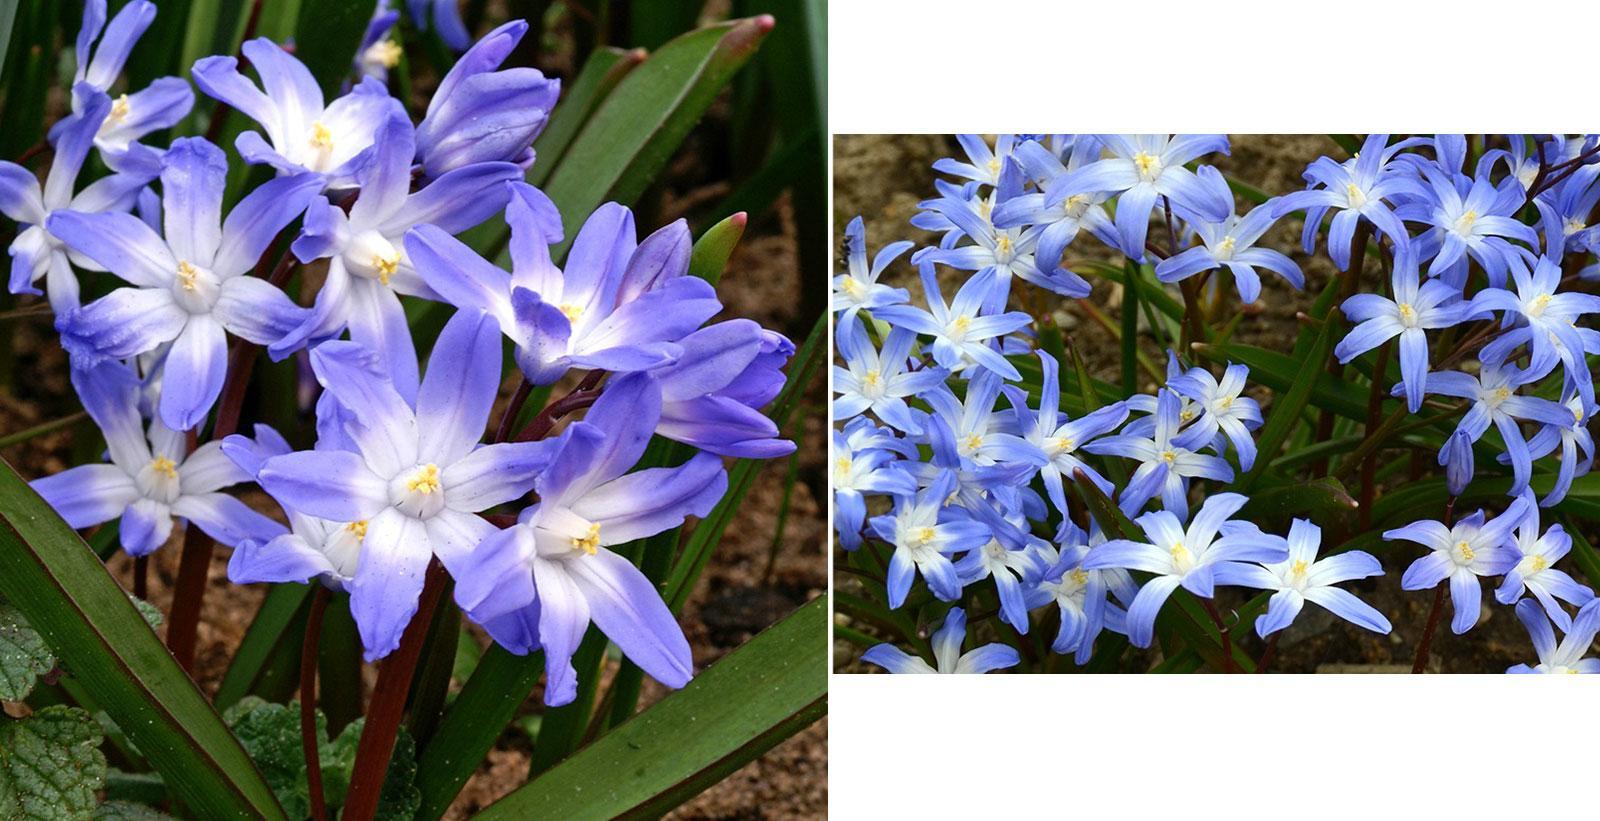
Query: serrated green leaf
(760,694)
(50,765)
(270,733)
(24,656)
(127,811)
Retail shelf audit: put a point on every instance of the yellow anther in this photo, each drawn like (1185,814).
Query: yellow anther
(425,480)
(1539,563)
(186,275)
(589,542)
(1355,195)
(321,137)
(1169,456)
(571,311)
(1225,247)
(924,535)
(1002,246)
(994,165)
(1186,414)
(1540,302)
(357,529)
(974,441)
(119,109)
(852,287)
(1180,554)
(1060,444)
(1299,568)
(1464,223)
(871,380)
(960,324)
(164,466)
(841,465)
(1502,393)
(1079,577)
(1465,550)
(1573,226)
(1147,164)
(1225,402)
(1408,314)
(386,265)
(386,53)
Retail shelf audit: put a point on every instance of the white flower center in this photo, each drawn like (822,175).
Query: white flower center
(1356,197)
(418,492)
(158,480)
(371,255)
(195,289)
(1408,314)
(1182,559)
(872,384)
(1465,222)
(1463,552)
(1224,249)
(1537,306)
(1148,165)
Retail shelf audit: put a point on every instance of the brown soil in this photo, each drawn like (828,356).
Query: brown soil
(882,177)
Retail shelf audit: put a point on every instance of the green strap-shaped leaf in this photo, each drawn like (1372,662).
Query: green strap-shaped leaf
(760,694)
(327,37)
(50,575)
(605,68)
(635,131)
(269,629)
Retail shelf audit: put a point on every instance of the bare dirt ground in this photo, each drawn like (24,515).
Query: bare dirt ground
(882,177)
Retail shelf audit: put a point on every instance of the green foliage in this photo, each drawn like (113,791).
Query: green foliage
(271,734)
(50,765)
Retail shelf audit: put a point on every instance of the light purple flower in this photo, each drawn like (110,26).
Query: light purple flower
(190,288)
(302,133)
(1193,557)
(1165,464)
(368,267)
(151,477)
(1416,307)
(1568,656)
(416,477)
(859,287)
(540,582)
(614,306)
(1475,546)
(1302,577)
(1535,571)
(947,653)
(478,114)
(925,532)
(445,16)
(713,395)
(37,252)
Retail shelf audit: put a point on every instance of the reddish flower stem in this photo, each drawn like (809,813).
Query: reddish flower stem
(1222,630)
(518,399)
(1420,662)
(309,740)
(388,705)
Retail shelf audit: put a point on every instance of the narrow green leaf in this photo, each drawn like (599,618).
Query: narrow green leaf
(712,250)
(326,39)
(709,531)
(8,16)
(50,575)
(485,705)
(269,629)
(600,74)
(760,694)
(561,728)
(642,122)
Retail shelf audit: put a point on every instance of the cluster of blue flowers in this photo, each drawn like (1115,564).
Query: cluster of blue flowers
(397,477)
(1482,258)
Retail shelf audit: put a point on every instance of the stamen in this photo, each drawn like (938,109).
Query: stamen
(589,542)
(164,466)
(321,137)
(425,480)
(1539,563)
(1169,457)
(357,529)
(187,274)
(1408,314)
(119,109)
(571,311)
(1079,577)
(386,265)
(1465,550)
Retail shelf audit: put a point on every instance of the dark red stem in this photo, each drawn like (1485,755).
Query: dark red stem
(309,737)
(388,705)
(518,399)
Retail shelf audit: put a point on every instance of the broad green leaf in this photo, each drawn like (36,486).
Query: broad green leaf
(24,656)
(50,765)
(760,694)
(56,581)
(641,123)
(326,39)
